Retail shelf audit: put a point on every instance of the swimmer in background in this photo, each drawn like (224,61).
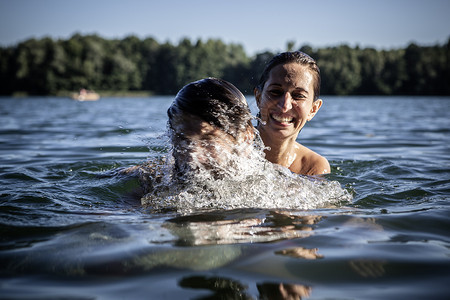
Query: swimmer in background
(287,96)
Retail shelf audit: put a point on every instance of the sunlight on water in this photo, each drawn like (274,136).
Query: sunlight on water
(228,177)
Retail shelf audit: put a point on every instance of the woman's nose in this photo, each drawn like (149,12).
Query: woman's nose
(285,102)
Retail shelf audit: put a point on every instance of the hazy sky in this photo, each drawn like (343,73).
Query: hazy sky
(257,25)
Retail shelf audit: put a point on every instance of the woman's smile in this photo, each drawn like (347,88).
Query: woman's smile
(283,119)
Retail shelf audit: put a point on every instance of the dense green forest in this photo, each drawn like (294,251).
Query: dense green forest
(48,67)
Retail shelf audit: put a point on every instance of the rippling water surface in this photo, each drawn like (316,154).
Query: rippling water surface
(68,232)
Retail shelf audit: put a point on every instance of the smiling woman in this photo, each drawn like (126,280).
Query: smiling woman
(287,96)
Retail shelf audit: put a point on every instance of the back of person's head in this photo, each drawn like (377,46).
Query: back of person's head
(214,101)
(298,57)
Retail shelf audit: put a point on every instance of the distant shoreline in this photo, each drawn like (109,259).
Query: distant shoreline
(133,67)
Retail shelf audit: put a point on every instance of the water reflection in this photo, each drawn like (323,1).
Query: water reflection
(225,288)
(240,226)
(221,288)
(203,241)
(214,239)
(300,252)
(186,258)
(368,268)
(278,291)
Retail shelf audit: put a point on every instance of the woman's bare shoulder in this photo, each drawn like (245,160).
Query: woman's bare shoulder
(320,165)
(310,162)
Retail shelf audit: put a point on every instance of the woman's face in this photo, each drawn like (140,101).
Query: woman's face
(286,101)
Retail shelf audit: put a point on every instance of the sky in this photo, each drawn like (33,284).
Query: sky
(258,25)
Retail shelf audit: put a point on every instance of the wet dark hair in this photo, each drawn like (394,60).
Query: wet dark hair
(215,101)
(292,57)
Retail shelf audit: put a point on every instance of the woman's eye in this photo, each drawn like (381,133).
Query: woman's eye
(275,92)
(298,96)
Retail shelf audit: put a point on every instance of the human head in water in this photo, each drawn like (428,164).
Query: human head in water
(287,96)
(208,120)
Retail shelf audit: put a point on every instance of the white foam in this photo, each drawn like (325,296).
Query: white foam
(242,179)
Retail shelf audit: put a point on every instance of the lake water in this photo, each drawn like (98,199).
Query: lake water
(68,232)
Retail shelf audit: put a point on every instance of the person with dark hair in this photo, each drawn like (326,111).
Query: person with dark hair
(287,96)
(210,129)
(207,119)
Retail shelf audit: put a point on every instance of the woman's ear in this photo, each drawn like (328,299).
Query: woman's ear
(314,109)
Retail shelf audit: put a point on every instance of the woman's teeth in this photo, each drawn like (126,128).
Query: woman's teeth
(282,119)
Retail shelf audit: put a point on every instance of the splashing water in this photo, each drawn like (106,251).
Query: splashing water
(224,178)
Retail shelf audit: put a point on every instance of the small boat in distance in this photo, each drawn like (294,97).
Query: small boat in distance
(86,95)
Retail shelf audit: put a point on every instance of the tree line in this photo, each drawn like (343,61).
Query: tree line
(47,66)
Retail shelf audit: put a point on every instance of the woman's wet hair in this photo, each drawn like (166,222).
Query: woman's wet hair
(214,101)
(292,57)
